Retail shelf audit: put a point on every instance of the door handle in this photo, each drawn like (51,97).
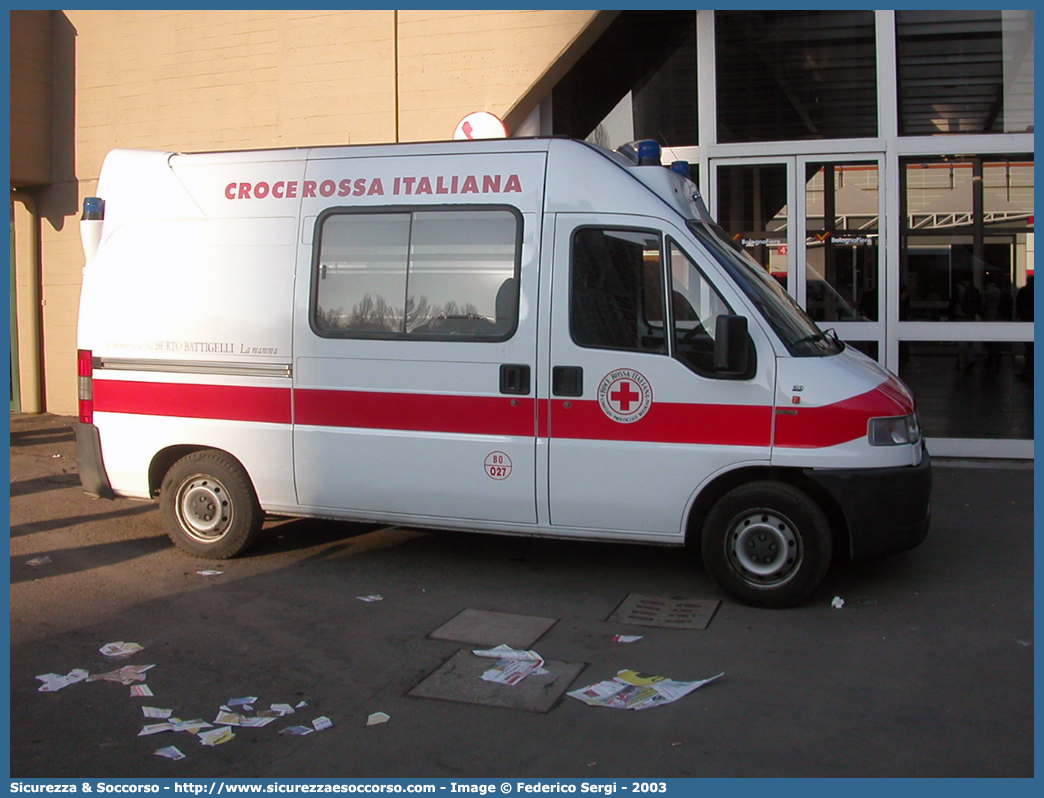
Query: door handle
(567,381)
(514,379)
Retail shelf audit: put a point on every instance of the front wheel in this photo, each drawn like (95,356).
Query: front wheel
(767,544)
(209,506)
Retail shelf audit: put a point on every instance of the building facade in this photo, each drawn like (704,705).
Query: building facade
(879,164)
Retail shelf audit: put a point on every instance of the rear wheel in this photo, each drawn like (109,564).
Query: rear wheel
(209,506)
(767,544)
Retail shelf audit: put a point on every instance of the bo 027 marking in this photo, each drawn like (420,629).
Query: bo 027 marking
(497,465)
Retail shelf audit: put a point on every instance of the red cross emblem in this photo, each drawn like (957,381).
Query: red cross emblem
(625,395)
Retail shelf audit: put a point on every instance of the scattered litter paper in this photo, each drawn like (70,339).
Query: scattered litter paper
(156,712)
(374,597)
(141,691)
(192,726)
(120,650)
(626,638)
(44,560)
(322,722)
(229,718)
(300,704)
(511,671)
(279,709)
(256,723)
(210,572)
(504,651)
(171,752)
(125,675)
(633,690)
(837,603)
(52,682)
(221,734)
(513,665)
(245,702)
(297,731)
(155,728)
(377,717)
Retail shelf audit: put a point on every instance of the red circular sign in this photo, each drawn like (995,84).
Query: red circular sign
(497,465)
(480,125)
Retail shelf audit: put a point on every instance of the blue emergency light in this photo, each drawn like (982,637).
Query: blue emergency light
(649,153)
(644,153)
(682,168)
(93,209)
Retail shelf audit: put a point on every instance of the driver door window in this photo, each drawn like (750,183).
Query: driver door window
(695,307)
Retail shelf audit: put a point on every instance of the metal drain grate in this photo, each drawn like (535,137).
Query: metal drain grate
(666,613)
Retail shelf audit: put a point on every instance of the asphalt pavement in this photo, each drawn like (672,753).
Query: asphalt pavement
(927,669)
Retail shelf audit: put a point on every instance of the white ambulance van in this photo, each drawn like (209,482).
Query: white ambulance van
(528,337)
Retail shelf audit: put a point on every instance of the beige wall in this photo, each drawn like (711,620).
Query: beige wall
(25,230)
(215,80)
(30,97)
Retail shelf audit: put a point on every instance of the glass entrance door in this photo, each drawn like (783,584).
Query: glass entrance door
(753,202)
(814,222)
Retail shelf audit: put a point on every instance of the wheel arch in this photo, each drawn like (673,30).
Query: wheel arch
(721,484)
(166,458)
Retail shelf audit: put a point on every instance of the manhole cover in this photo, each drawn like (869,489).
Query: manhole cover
(488,629)
(667,613)
(460,679)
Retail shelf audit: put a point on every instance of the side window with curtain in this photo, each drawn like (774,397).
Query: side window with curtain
(616,290)
(418,274)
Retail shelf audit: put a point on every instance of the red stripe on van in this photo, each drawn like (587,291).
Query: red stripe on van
(800,427)
(223,402)
(463,415)
(712,425)
(831,425)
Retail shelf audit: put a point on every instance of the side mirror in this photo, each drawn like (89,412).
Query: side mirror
(730,344)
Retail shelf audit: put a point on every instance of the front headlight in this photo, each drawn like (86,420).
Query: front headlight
(894,431)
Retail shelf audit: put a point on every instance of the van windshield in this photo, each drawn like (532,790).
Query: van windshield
(795,329)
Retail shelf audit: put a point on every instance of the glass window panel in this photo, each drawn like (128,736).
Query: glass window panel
(644,66)
(965,72)
(991,399)
(617,290)
(841,248)
(458,262)
(426,273)
(362,272)
(664,101)
(1007,193)
(799,75)
(967,243)
(752,209)
(696,307)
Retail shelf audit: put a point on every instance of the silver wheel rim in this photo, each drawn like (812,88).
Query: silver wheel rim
(764,548)
(204,508)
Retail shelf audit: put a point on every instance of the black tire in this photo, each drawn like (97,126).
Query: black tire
(209,506)
(766,544)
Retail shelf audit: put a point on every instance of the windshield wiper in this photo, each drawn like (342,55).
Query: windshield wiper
(818,336)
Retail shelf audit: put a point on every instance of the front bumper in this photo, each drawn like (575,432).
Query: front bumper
(887,509)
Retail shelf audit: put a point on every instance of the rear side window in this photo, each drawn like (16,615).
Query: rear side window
(446,274)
